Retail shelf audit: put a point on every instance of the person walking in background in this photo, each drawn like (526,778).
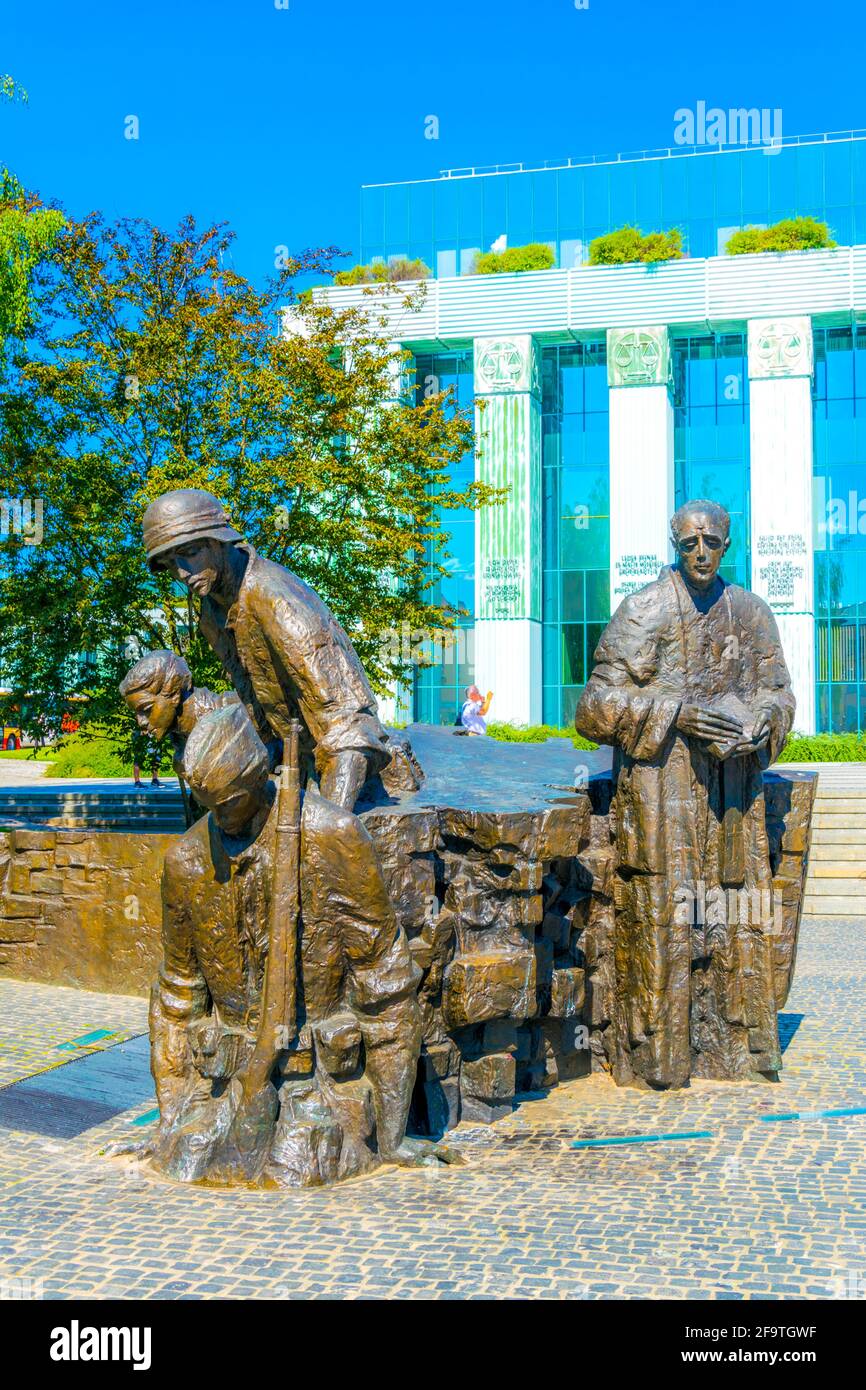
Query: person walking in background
(475,707)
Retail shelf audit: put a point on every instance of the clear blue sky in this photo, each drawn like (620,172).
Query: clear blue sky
(271,119)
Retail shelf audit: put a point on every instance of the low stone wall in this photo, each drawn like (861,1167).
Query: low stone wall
(81,908)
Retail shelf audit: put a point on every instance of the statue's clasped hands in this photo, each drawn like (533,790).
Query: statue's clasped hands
(709,725)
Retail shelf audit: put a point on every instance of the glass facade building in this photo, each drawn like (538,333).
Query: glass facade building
(576,519)
(707,194)
(439,687)
(764,392)
(839,397)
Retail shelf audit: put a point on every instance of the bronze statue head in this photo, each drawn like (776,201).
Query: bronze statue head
(187,533)
(701,535)
(154,688)
(226,766)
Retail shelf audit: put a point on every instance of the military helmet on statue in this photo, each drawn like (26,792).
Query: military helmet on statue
(177,518)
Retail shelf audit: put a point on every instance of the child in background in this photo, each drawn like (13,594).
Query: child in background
(475,706)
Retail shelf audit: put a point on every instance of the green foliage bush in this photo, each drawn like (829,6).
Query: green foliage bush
(824,748)
(383,272)
(628,245)
(537,733)
(800,748)
(791,234)
(535,255)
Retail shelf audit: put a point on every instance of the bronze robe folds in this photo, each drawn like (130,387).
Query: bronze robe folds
(693,965)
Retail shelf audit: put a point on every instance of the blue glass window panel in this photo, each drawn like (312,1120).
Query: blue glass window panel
(550,703)
(838,187)
(573,251)
(597,595)
(584,546)
(810,179)
(551,654)
(519,195)
(702,375)
(844,705)
(675,197)
(583,487)
(469,211)
(623,205)
(839,356)
(396,218)
(860,365)
(756,183)
(782,181)
(702,432)
(840,410)
(572,597)
(595,380)
(550,596)
(596,198)
(648,197)
(841,225)
(570,194)
(593,637)
(729,201)
(701,186)
(550,441)
(446,263)
(573,654)
(372,222)
(495,210)
(571,385)
(543,206)
(568,707)
(445,210)
(421,213)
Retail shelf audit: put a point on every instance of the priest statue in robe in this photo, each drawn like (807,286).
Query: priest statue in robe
(691,688)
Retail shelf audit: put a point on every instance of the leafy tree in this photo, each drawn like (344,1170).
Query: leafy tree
(791,234)
(27,232)
(535,255)
(628,244)
(154,365)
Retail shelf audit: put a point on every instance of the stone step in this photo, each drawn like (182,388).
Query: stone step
(79,808)
(835,907)
(838,852)
(840,805)
(833,821)
(845,886)
(838,835)
(852,872)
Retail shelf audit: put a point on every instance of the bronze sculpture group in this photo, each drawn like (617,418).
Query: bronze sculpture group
(285,1024)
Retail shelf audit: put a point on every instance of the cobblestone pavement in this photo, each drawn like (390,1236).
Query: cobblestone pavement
(759,1209)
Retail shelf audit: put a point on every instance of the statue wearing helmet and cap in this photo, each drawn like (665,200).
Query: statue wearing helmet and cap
(279,643)
(300,680)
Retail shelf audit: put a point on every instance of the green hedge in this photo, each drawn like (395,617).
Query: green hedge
(628,244)
(824,748)
(383,272)
(535,255)
(42,755)
(537,733)
(800,748)
(791,234)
